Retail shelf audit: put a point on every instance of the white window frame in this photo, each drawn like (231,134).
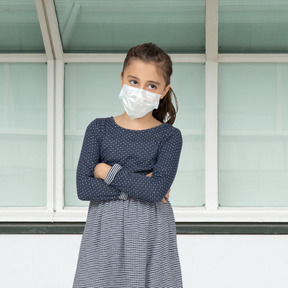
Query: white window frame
(55,59)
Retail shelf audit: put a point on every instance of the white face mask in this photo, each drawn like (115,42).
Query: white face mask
(138,102)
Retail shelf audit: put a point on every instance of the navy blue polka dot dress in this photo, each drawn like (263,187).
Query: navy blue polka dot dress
(129,238)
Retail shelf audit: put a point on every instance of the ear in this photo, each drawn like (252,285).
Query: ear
(121,78)
(165,91)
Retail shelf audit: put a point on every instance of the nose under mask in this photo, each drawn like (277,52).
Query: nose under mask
(138,102)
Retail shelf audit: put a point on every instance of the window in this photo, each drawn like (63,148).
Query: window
(253,26)
(23,134)
(60,64)
(253,135)
(20,30)
(91,90)
(115,26)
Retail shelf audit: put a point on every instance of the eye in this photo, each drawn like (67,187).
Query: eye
(133,82)
(152,86)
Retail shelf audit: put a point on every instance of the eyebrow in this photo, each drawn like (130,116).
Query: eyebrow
(150,81)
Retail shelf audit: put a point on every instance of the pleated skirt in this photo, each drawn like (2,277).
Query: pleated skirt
(128,244)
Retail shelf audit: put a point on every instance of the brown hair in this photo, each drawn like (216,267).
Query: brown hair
(149,52)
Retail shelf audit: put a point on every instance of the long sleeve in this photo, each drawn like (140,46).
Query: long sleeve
(88,187)
(151,189)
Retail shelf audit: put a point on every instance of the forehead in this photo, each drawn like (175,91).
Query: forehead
(145,71)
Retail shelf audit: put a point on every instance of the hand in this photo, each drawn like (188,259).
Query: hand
(164,200)
(101,170)
(149,175)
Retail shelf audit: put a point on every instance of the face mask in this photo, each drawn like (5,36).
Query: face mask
(138,102)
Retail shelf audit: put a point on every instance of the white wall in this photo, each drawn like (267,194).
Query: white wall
(208,261)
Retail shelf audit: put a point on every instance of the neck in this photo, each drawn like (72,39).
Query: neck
(144,122)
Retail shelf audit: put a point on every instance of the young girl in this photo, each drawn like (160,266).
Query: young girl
(126,168)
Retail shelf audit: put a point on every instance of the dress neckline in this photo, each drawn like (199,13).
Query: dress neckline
(133,130)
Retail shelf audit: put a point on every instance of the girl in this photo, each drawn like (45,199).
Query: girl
(126,168)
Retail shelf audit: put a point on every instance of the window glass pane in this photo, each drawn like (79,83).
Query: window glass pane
(253,26)
(19,27)
(188,83)
(253,134)
(23,134)
(91,91)
(115,26)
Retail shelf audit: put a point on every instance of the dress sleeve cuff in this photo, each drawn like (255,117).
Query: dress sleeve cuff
(111,173)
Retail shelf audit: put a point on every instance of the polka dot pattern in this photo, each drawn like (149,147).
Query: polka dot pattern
(136,152)
(129,241)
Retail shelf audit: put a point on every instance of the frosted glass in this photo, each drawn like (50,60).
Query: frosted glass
(253,26)
(23,134)
(91,91)
(188,83)
(19,27)
(115,26)
(253,138)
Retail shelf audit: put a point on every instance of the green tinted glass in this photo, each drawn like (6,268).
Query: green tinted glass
(19,27)
(91,91)
(253,135)
(23,139)
(253,26)
(188,83)
(115,26)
